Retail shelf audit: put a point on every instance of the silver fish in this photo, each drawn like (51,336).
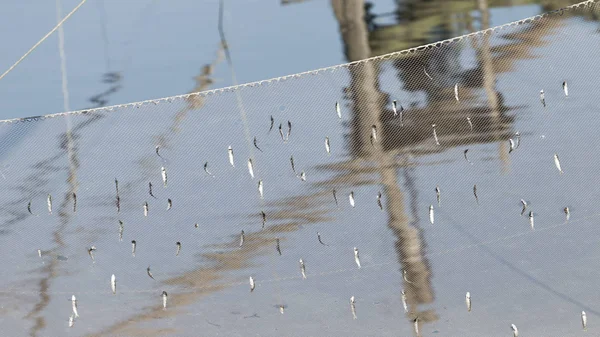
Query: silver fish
(281,133)
(113,284)
(29,208)
(149,273)
(178,244)
(514,330)
(145,208)
(117,187)
(293,166)
(164,299)
(40,253)
(456,91)
(74,305)
(74,202)
(196,225)
(470,123)
(404,303)
(277,246)
(264,218)
(373,134)
(321,241)
(281,308)
(438,195)
(351,198)
(475,193)
(524,203)
(49,200)
(426,74)
(511,144)
(404,276)
(416,326)
(71,321)
(252,284)
(394,108)
(230,153)
(118,202)
(518,136)
(91,254)
(565,88)
(157,153)
(556,162)
(163,172)
(466,158)
(242,238)
(583,318)
(379,201)
(567,213)
(206,169)
(133,245)
(150,190)
(169,204)
(260,189)
(542,98)
(256,146)
(431,216)
(338,110)
(289,130)
(121,228)
(335,196)
(468,301)
(435,137)
(353,307)
(327,147)
(302,269)
(272,123)
(531,220)
(303,176)
(356,257)
(251,168)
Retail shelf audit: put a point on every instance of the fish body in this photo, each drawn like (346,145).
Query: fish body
(113,284)
(252,284)
(74,202)
(431,215)
(292,162)
(394,108)
(40,253)
(438,195)
(583,318)
(49,201)
(303,176)
(514,330)
(511,144)
(356,257)
(543,98)
(169,204)
(373,133)
(518,137)
(242,238)
(260,189)
(256,145)
(282,309)
(178,246)
(302,269)
(133,246)
(121,229)
(468,301)
(91,254)
(230,154)
(338,110)
(426,74)
(321,241)
(404,303)
(327,146)
(567,213)
(281,133)
(456,92)
(416,326)
(164,299)
(277,246)
(353,307)
(146,208)
(435,137)
(264,218)
(251,168)
(74,305)
(29,208)
(118,202)
(557,163)
(524,203)
(531,224)
(206,169)
(379,201)
(149,273)
(470,123)
(289,131)
(335,196)
(163,172)
(272,123)
(71,321)
(467,158)
(475,193)
(150,190)
(565,88)
(351,198)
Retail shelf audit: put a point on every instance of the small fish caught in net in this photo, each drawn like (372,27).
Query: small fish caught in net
(447,189)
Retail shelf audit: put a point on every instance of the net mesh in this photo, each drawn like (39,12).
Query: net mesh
(370,142)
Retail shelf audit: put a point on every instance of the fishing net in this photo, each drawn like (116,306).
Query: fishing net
(366,179)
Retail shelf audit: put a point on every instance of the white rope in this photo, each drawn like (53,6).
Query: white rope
(63,58)
(43,39)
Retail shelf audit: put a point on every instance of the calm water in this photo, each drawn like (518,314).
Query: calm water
(538,279)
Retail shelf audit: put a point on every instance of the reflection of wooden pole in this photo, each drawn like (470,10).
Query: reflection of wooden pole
(368,107)
(489,82)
